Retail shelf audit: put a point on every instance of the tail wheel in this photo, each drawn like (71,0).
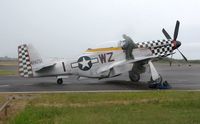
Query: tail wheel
(60,81)
(134,76)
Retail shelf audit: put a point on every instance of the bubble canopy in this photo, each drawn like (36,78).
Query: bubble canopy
(108,44)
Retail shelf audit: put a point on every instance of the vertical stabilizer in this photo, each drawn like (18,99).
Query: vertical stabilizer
(28,60)
(24,63)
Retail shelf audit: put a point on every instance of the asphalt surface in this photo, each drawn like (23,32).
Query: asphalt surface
(181,77)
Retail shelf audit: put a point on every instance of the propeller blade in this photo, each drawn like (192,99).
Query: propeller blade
(176,30)
(166,34)
(183,55)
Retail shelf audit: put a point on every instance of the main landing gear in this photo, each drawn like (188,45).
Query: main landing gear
(134,76)
(137,69)
(156,80)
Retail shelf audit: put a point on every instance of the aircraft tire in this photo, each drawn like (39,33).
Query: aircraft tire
(134,76)
(60,81)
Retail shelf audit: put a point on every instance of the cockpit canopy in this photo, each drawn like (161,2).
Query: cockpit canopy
(108,44)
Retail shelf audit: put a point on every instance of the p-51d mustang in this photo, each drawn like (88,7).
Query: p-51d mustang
(101,62)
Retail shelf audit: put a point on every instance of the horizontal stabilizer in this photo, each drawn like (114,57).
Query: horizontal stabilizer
(44,67)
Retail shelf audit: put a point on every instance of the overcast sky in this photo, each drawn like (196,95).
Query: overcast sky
(65,28)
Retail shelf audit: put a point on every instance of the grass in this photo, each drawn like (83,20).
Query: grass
(163,107)
(2,99)
(8,62)
(7,72)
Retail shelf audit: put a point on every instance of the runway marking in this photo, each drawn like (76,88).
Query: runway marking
(4,85)
(97,91)
(100,91)
(27,84)
(183,80)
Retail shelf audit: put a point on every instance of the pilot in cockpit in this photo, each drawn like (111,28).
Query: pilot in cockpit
(128,45)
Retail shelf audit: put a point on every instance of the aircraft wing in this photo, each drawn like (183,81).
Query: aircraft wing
(115,64)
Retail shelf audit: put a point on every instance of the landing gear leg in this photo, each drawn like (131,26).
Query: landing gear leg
(156,79)
(59,81)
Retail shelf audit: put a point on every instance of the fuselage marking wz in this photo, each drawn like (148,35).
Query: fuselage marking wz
(106,57)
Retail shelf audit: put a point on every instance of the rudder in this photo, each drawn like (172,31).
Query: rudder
(24,63)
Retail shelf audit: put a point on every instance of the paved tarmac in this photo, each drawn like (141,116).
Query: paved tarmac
(181,77)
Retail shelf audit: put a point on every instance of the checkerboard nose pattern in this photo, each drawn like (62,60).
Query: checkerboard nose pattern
(24,63)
